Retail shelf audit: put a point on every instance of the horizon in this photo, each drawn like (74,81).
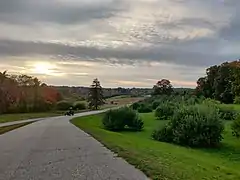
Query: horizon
(124,43)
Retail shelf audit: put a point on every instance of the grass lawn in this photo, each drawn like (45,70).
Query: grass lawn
(12,127)
(166,161)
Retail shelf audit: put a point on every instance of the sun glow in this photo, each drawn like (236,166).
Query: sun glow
(43,68)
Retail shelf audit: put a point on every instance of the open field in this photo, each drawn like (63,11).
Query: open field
(121,100)
(167,161)
(12,127)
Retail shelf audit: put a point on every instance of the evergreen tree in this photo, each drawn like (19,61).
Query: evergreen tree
(95,96)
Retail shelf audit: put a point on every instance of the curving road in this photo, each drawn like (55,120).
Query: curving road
(53,148)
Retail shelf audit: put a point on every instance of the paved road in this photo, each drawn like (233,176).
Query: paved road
(55,149)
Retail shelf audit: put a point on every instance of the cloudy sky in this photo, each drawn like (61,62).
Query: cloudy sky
(129,43)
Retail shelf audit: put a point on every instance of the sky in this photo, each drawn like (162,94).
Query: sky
(127,43)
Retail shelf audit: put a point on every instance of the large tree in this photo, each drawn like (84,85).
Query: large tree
(163,87)
(95,96)
(221,82)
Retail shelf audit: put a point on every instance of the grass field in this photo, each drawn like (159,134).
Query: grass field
(166,161)
(12,127)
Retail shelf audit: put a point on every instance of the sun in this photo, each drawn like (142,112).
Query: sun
(42,68)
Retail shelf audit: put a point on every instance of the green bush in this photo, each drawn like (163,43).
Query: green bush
(227,113)
(195,126)
(237,100)
(80,106)
(135,106)
(165,111)
(236,127)
(119,119)
(63,105)
(155,104)
(144,108)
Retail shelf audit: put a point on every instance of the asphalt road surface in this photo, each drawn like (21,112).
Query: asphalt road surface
(53,148)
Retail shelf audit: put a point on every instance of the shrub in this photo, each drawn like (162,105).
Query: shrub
(237,100)
(63,105)
(165,111)
(155,104)
(135,106)
(236,127)
(227,113)
(144,108)
(80,106)
(195,126)
(118,119)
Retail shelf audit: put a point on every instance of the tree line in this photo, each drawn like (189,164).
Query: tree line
(23,93)
(222,83)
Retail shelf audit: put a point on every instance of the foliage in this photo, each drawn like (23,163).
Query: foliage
(135,105)
(144,108)
(163,87)
(155,104)
(95,96)
(165,110)
(236,127)
(118,119)
(227,113)
(23,93)
(237,100)
(63,105)
(196,126)
(221,82)
(79,106)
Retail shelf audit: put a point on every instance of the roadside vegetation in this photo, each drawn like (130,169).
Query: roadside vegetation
(5,129)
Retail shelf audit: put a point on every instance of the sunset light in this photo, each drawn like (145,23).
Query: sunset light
(43,68)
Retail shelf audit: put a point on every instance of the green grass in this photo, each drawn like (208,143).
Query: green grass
(234,106)
(12,127)
(166,161)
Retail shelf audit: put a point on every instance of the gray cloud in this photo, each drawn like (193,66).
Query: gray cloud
(28,11)
(189,33)
(179,54)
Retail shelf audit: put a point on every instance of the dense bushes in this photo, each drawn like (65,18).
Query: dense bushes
(237,100)
(196,126)
(165,111)
(63,105)
(118,119)
(135,105)
(236,127)
(227,113)
(155,104)
(144,108)
(79,106)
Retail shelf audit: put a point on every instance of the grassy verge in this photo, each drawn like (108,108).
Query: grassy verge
(23,116)
(167,161)
(12,127)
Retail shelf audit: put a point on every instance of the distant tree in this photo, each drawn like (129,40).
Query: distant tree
(95,96)
(163,87)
